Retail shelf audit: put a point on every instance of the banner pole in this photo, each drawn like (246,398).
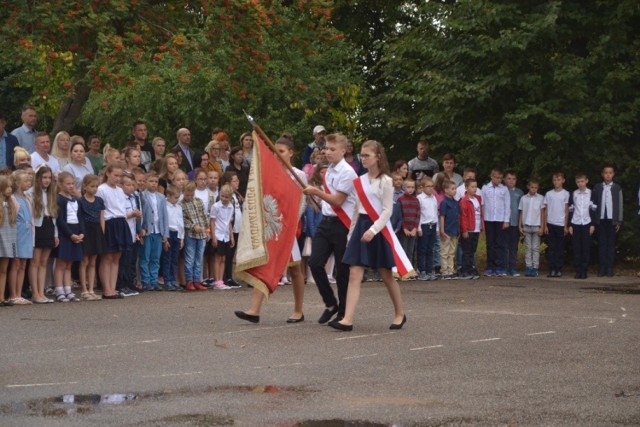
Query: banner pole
(272,147)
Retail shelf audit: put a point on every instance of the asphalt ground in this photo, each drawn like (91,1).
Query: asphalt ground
(499,351)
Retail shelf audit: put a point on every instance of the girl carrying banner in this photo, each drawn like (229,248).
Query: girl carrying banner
(372,242)
(284,146)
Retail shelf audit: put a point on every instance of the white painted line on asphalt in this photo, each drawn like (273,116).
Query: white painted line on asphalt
(541,333)
(608,319)
(147,341)
(267,328)
(623,309)
(286,365)
(426,348)
(180,374)
(624,315)
(359,356)
(39,384)
(592,326)
(363,336)
(508,313)
(486,339)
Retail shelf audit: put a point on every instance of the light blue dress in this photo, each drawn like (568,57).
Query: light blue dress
(24,229)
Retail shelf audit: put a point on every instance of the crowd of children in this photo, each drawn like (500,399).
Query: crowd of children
(452,216)
(140,230)
(132,229)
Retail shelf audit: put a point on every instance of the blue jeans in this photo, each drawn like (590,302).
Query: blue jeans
(193,253)
(170,259)
(425,248)
(150,259)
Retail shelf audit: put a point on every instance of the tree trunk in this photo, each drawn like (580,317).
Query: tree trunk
(71,109)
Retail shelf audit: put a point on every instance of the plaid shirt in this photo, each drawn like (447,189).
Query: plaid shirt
(193,213)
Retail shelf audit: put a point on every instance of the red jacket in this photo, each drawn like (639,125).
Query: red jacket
(468,214)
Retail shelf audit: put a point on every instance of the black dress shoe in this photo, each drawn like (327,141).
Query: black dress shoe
(327,314)
(248,317)
(290,320)
(399,325)
(339,326)
(116,296)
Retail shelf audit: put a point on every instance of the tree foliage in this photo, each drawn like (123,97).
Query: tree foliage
(536,86)
(182,63)
(533,85)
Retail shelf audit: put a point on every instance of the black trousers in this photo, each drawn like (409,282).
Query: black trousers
(581,240)
(606,246)
(127,267)
(228,260)
(330,238)
(555,247)
(513,238)
(469,247)
(496,245)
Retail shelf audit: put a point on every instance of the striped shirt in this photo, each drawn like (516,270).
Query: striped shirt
(410,208)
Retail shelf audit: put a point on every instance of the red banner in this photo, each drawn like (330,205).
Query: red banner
(269,221)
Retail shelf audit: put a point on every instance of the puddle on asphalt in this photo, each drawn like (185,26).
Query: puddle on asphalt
(81,404)
(342,423)
(612,290)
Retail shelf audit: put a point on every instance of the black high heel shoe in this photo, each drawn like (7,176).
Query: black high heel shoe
(399,325)
(335,324)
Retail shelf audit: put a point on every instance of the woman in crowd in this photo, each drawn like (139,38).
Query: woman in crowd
(246,142)
(60,148)
(93,153)
(78,167)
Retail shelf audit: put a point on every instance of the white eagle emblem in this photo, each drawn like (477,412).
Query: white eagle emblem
(272,218)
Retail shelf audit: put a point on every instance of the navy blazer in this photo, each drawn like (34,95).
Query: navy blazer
(61,220)
(11,142)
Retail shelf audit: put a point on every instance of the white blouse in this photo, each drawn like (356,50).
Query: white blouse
(114,201)
(382,189)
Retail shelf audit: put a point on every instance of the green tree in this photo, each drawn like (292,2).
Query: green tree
(369,25)
(537,86)
(194,63)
